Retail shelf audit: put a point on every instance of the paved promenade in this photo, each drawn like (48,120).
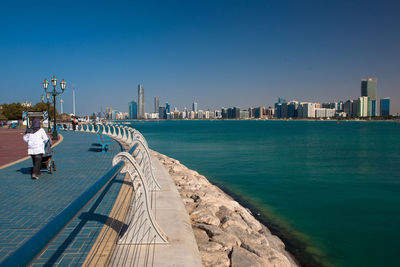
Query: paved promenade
(12,147)
(26,205)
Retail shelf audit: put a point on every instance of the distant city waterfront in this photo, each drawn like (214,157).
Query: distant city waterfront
(365,106)
(332,191)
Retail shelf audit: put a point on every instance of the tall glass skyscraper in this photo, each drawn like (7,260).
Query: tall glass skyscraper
(194,107)
(132,110)
(140,113)
(156,104)
(368,88)
(385,106)
(278,107)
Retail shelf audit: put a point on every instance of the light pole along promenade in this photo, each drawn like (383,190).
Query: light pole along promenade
(47,97)
(54,93)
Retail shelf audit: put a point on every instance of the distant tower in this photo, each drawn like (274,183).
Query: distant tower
(140,102)
(132,110)
(385,106)
(194,107)
(61,102)
(73,100)
(156,104)
(368,88)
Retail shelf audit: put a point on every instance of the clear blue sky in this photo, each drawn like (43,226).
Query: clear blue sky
(219,53)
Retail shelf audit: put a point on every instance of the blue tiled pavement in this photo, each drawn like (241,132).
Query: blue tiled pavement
(26,205)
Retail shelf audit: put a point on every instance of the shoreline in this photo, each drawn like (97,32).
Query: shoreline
(227,233)
(295,245)
(394,120)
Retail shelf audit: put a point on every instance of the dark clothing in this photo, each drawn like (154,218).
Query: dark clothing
(35,126)
(37,162)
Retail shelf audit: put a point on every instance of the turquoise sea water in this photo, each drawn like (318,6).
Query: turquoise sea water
(331,190)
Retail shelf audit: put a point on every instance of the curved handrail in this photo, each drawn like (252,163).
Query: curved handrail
(27,253)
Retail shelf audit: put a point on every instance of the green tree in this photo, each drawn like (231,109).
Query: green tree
(40,106)
(13,111)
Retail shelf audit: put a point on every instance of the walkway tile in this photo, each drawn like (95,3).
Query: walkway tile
(26,205)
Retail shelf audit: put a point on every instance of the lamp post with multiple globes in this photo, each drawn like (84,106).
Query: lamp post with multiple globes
(54,93)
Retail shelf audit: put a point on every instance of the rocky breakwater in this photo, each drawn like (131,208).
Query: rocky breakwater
(226,233)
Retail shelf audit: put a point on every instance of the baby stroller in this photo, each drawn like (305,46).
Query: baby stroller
(48,164)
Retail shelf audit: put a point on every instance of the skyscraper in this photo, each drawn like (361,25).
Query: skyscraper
(132,110)
(362,110)
(156,104)
(140,113)
(162,112)
(167,107)
(368,88)
(385,106)
(278,107)
(194,107)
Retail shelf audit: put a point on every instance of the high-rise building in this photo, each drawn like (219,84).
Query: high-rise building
(156,104)
(230,113)
(348,108)
(236,113)
(284,110)
(368,88)
(108,113)
(133,110)
(362,110)
(259,112)
(224,113)
(167,107)
(194,107)
(140,112)
(292,109)
(278,106)
(308,110)
(385,106)
(162,113)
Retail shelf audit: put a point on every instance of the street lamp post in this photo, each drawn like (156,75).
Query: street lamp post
(54,93)
(47,97)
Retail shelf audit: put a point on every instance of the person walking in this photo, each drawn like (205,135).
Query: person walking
(36,138)
(74,123)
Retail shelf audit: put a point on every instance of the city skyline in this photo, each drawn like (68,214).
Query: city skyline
(218,53)
(366,105)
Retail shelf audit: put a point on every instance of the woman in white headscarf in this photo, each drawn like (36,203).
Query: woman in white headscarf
(36,138)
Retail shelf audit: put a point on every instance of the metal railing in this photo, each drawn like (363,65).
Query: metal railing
(29,251)
(141,225)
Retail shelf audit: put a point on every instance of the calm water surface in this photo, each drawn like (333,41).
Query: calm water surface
(332,190)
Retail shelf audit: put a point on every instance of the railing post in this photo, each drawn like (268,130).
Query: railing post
(147,166)
(119,132)
(149,227)
(115,132)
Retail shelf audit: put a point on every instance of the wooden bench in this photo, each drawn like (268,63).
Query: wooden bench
(103,142)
